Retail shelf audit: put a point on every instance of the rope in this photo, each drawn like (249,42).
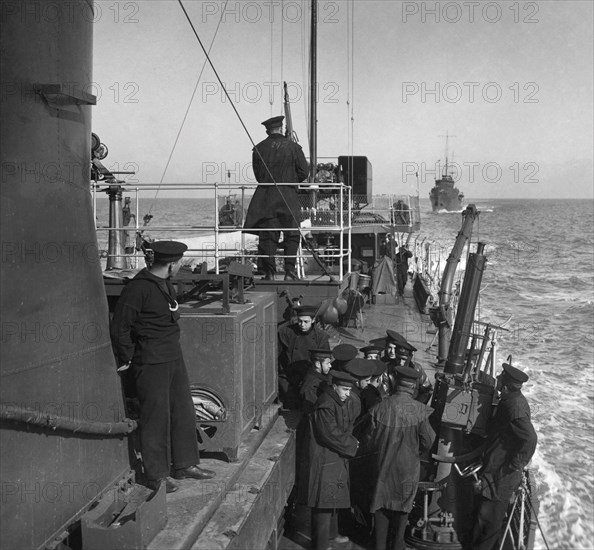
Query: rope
(293,216)
(187,109)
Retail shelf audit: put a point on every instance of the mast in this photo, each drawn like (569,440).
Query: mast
(313,130)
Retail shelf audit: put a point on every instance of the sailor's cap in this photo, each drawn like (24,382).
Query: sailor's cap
(372,348)
(168,251)
(515,374)
(344,352)
(274,122)
(320,353)
(394,336)
(309,311)
(380,367)
(341,378)
(360,368)
(407,373)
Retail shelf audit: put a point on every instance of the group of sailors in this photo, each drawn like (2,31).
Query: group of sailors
(366,426)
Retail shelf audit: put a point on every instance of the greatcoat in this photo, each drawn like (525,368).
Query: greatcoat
(331,443)
(396,431)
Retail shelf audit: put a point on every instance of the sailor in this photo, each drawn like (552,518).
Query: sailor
(372,394)
(511,442)
(372,351)
(278,160)
(326,486)
(398,351)
(343,353)
(294,343)
(362,370)
(316,378)
(145,336)
(396,431)
(402,256)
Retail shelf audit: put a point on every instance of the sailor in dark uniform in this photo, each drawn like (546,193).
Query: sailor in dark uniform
(372,351)
(294,343)
(362,370)
(316,378)
(398,351)
(277,159)
(145,336)
(395,432)
(402,256)
(331,444)
(343,353)
(372,394)
(510,445)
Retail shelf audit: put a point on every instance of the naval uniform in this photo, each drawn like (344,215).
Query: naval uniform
(294,358)
(397,430)
(331,443)
(145,331)
(276,159)
(510,445)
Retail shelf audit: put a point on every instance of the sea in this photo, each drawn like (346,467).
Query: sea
(540,272)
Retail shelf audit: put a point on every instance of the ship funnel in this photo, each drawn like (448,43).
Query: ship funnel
(59,387)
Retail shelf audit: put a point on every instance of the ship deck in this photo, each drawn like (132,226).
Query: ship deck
(246,498)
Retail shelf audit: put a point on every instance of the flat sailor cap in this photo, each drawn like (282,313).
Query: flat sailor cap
(274,122)
(306,311)
(360,368)
(341,378)
(515,374)
(320,353)
(399,340)
(168,251)
(344,352)
(407,373)
(380,367)
(371,349)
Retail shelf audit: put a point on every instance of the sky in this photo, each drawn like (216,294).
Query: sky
(510,81)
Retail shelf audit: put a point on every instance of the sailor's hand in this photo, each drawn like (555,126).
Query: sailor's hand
(124,367)
(477,486)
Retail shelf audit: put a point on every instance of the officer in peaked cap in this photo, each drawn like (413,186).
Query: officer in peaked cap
(511,442)
(276,208)
(372,351)
(373,393)
(168,251)
(274,122)
(513,375)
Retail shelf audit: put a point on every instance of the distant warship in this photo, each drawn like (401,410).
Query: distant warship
(444,196)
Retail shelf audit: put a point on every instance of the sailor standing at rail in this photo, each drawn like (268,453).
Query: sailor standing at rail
(510,445)
(277,159)
(145,337)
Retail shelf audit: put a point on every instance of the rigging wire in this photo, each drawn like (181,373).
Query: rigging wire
(187,109)
(294,216)
(231,102)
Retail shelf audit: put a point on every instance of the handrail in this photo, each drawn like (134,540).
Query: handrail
(335,211)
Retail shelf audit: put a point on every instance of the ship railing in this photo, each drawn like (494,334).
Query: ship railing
(220,235)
